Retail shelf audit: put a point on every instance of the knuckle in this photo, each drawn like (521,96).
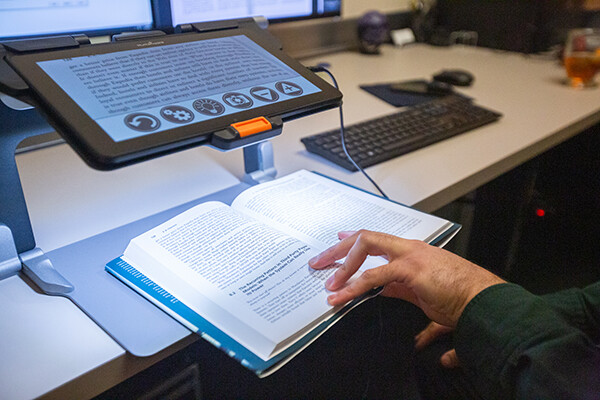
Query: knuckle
(351,290)
(415,251)
(416,245)
(368,240)
(369,275)
(343,268)
(363,235)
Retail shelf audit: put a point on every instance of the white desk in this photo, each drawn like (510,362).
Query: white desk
(68,201)
(539,112)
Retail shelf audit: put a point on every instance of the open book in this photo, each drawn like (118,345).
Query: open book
(239,275)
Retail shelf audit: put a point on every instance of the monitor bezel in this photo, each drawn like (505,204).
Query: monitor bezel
(163,16)
(108,31)
(100,151)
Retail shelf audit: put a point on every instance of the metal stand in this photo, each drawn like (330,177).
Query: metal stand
(9,258)
(77,271)
(258,163)
(16,126)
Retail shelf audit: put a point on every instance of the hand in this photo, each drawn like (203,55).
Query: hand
(431,332)
(437,281)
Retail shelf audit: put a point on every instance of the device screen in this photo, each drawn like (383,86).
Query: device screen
(133,93)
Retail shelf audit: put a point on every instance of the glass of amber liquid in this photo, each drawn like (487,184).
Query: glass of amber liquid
(582,57)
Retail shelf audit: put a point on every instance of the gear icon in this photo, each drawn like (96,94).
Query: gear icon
(182,115)
(177,114)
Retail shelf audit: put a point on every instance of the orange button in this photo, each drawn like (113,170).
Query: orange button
(252,126)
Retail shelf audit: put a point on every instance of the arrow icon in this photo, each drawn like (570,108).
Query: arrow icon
(139,120)
(142,122)
(264,94)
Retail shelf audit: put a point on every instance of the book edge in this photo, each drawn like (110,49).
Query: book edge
(221,340)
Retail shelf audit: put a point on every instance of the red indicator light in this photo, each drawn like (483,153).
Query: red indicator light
(540,212)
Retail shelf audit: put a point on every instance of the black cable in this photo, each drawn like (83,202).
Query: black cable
(322,68)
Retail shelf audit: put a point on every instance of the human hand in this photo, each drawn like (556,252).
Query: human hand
(431,332)
(437,281)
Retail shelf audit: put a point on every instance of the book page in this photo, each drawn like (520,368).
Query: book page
(256,279)
(314,209)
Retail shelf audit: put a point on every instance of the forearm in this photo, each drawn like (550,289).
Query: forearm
(518,346)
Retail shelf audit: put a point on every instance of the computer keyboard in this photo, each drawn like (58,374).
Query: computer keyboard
(377,140)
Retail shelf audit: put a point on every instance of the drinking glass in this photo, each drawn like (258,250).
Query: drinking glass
(582,56)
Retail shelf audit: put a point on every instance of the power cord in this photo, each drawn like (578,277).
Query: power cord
(322,68)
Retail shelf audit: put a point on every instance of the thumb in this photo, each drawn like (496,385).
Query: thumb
(449,359)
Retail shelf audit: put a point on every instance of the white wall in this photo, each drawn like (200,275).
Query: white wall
(355,8)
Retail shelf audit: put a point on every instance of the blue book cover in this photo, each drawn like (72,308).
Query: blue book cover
(126,273)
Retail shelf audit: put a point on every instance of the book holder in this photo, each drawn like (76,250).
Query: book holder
(76,271)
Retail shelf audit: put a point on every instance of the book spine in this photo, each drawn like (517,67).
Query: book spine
(164,300)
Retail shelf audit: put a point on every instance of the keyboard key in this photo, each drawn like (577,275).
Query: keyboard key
(384,138)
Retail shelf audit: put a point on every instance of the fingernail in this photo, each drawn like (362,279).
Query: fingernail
(330,281)
(331,298)
(313,260)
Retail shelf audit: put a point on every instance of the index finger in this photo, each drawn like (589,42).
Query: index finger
(332,254)
(364,244)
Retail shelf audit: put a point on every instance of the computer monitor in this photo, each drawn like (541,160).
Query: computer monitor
(30,18)
(171,13)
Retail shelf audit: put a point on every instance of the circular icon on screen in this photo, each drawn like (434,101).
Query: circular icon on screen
(177,114)
(142,122)
(209,107)
(237,100)
(289,88)
(264,94)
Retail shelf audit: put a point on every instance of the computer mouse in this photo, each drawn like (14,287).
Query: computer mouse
(438,87)
(456,77)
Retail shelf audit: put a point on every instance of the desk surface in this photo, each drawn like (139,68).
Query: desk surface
(69,202)
(539,112)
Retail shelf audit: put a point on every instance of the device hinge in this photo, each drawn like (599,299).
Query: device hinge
(137,35)
(38,267)
(46,43)
(212,26)
(10,263)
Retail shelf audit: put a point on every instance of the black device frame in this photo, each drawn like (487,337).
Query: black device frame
(101,152)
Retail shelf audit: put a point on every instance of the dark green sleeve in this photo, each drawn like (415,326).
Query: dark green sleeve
(520,346)
(580,307)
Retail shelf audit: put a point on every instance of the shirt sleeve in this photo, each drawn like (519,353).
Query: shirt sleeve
(580,307)
(517,345)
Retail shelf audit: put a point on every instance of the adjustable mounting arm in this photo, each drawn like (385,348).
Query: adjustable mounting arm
(16,234)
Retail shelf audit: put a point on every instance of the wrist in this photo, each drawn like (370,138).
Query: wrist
(482,283)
